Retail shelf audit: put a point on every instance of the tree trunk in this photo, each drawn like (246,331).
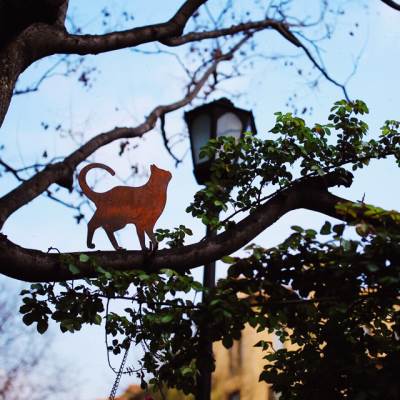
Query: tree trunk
(11,65)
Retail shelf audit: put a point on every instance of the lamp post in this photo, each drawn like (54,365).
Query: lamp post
(210,121)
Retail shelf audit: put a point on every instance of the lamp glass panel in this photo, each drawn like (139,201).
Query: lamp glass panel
(200,132)
(229,124)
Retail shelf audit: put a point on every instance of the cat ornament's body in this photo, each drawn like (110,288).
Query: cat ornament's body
(122,205)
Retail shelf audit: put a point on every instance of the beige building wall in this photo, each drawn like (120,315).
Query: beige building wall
(238,369)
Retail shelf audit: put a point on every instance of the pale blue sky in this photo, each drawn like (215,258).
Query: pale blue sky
(135,84)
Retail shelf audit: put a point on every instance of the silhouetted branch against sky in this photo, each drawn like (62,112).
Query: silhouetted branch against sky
(32,31)
(392,4)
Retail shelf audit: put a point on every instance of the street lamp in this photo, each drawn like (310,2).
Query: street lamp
(210,121)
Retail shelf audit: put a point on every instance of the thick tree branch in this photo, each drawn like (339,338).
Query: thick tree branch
(392,4)
(32,265)
(12,63)
(31,30)
(17,15)
(51,40)
(233,30)
(45,35)
(62,13)
(62,172)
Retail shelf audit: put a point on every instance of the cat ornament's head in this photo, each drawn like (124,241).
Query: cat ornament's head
(161,174)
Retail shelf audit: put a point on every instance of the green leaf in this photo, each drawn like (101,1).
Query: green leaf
(227,342)
(42,326)
(326,228)
(165,319)
(372,267)
(186,371)
(339,229)
(215,302)
(228,259)
(84,258)
(168,272)
(197,286)
(25,308)
(297,228)
(143,276)
(74,269)
(29,319)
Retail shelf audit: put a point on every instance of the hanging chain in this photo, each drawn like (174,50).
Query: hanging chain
(119,374)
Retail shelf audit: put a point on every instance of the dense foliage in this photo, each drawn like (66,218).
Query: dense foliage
(331,296)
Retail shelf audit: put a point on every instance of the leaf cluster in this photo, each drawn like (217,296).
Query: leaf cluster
(258,168)
(334,304)
(331,297)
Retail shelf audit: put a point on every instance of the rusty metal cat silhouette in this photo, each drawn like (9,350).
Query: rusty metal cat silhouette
(122,205)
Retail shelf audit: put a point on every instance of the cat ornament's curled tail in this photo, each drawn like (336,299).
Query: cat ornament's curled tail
(122,205)
(91,194)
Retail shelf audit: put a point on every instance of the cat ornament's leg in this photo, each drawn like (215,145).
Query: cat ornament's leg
(140,233)
(113,241)
(92,226)
(153,240)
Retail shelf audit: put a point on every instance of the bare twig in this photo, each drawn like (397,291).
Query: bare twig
(46,75)
(12,170)
(166,141)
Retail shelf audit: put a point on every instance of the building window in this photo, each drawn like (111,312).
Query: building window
(234,396)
